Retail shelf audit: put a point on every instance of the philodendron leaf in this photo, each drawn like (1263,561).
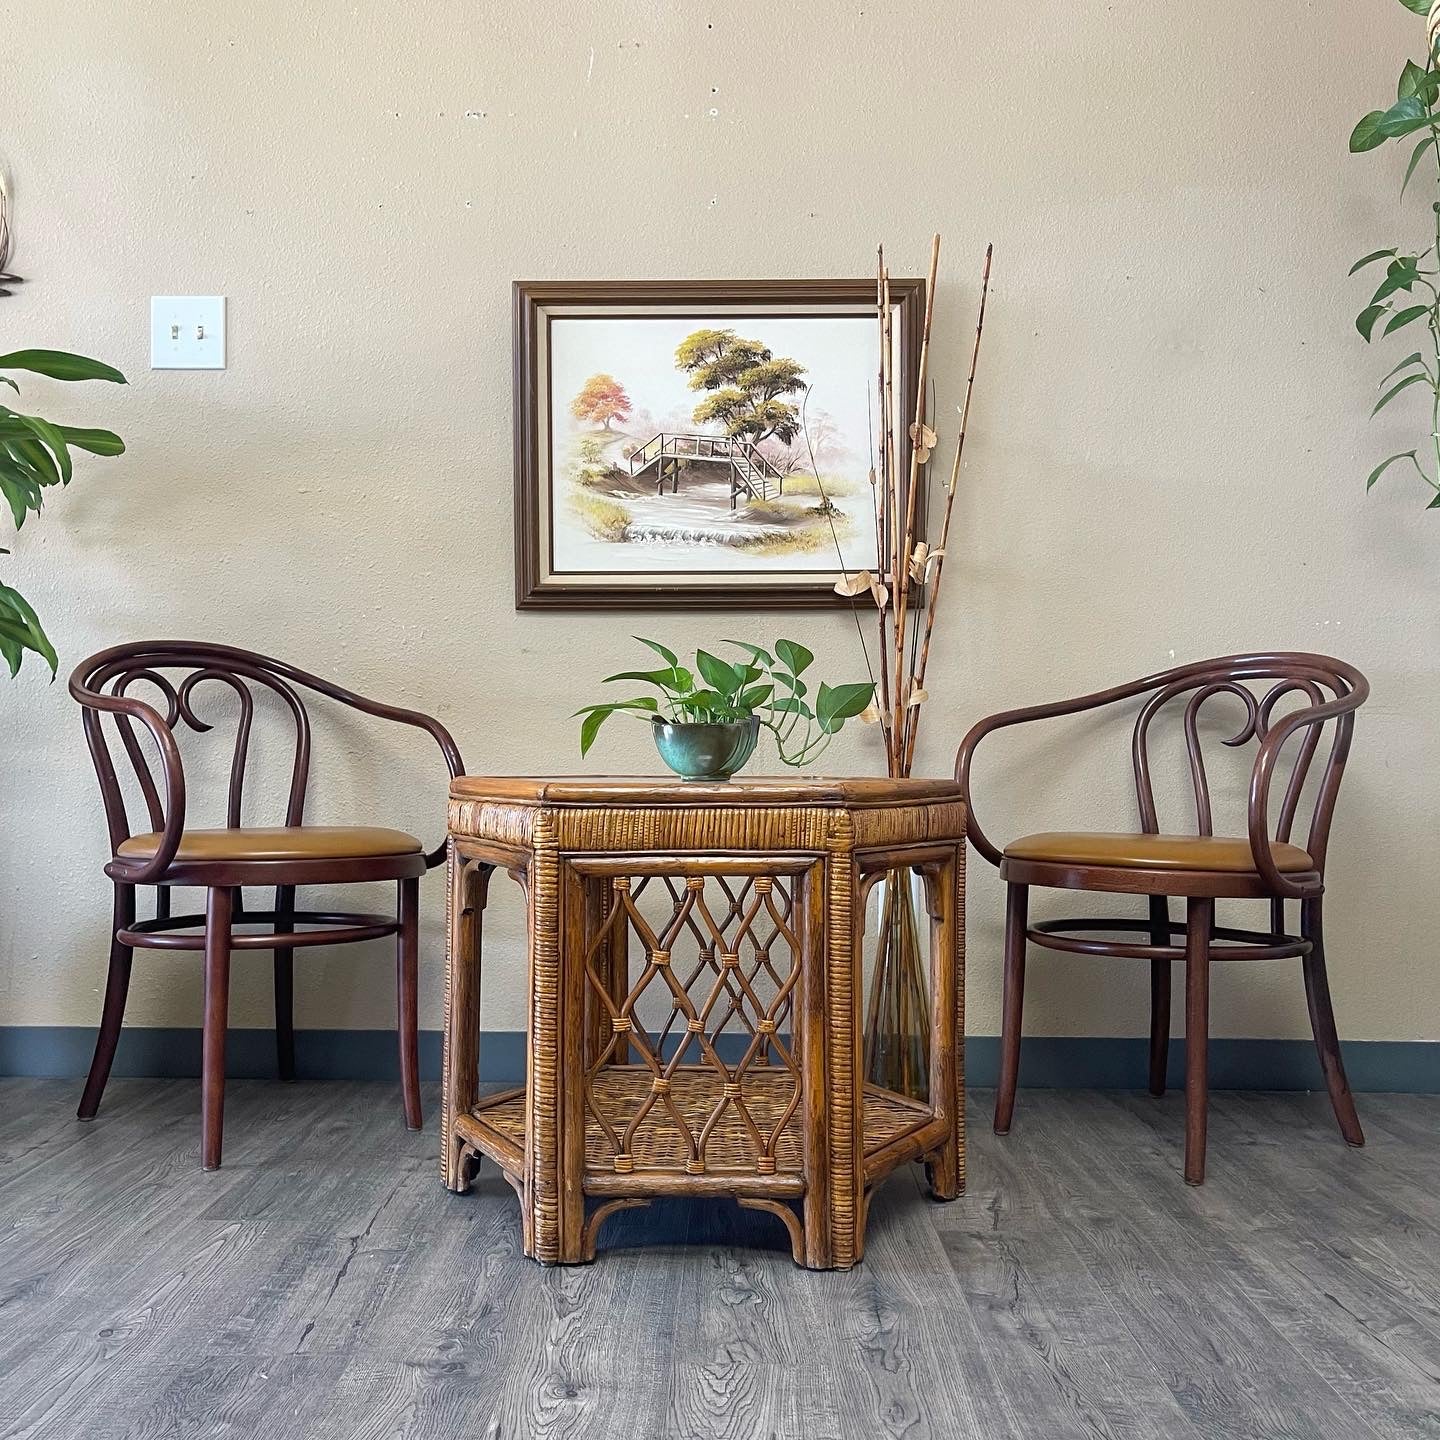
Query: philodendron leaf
(1420,7)
(1365,320)
(755,652)
(793,656)
(1367,135)
(60,365)
(1404,117)
(597,715)
(1416,359)
(1415,159)
(1384,465)
(1371,258)
(1405,317)
(1401,275)
(1390,394)
(667,655)
(676,679)
(717,673)
(835,706)
(1435,503)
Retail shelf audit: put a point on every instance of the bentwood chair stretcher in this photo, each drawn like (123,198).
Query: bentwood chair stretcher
(695,974)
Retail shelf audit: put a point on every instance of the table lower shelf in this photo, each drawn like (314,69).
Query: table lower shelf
(716,1147)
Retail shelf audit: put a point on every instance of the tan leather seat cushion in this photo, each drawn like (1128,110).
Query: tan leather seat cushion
(301,842)
(1153,852)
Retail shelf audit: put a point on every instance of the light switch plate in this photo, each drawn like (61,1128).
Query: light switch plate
(187,332)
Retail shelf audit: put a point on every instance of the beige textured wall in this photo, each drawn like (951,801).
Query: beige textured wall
(1169,437)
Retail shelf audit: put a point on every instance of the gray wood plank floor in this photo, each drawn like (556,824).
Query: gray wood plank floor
(323,1284)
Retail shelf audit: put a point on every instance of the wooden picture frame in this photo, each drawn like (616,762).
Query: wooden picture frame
(617,488)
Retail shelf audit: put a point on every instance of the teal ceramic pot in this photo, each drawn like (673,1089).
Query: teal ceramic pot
(696,751)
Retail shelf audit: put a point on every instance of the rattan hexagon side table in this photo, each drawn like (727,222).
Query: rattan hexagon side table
(695,999)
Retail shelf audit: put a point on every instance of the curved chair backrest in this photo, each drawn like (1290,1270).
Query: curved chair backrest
(1331,689)
(102,683)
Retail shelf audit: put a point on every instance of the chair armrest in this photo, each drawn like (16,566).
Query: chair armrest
(415,718)
(1312,717)
(1004,720)
(173,826)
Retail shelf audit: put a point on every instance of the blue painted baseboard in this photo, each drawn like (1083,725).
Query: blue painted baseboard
(1049,1062)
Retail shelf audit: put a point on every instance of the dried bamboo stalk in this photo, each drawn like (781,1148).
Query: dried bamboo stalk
(901,696)
(934,595)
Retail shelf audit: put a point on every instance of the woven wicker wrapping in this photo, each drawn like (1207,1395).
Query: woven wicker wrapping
(694,985)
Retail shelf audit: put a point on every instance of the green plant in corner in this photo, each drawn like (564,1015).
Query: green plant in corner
(757,683)
(34,455)
(1409,294)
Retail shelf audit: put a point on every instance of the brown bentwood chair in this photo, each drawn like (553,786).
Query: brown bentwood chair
(223,861)
(1199,868)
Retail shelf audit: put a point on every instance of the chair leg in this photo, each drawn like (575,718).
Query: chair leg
(117,987)
(219,909)
(1159,996)
(1016,907)
(1199,921)
(285,985)
(1322,1024)
(407,968)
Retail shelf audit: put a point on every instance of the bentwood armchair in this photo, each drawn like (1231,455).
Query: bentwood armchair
(224,861)
(1200,868)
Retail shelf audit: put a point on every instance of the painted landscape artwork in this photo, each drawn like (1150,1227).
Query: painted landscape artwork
(677,444)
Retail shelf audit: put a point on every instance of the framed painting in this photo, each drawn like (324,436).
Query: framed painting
(703,443)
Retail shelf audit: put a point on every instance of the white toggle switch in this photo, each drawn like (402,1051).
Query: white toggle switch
(187,332)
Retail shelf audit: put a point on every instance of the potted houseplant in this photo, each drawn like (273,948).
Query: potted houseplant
(1409,293)
(35,454)
(707,717)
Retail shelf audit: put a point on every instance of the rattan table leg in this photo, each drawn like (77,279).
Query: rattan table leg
(945,1167)
(469,885)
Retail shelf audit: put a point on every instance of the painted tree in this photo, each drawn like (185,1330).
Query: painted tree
(601,400)
(746,384)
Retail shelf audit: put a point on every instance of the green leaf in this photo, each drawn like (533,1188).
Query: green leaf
(97,442)
(791,705)
(21,493)
(674,680)
(703,701)
(51,435)
(1412,80)
(1365,320)
(60,365)
(6,380)
(1403,118)
(754,651)
(1384,465)
(1405,317)
(28,452)
(754,697)
(722,677)
(1370,259)
(793,656)
(835,706)
(1435,503)
(1419,7)
(1389,395)
(1401,275)
(1416,359)
(590,727)
(1366,134)
(25,627)
(667,655)
(1420,149)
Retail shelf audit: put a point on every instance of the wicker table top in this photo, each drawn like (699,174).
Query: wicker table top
(807,790)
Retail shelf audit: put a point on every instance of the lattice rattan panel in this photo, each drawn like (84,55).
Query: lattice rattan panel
(677,971)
